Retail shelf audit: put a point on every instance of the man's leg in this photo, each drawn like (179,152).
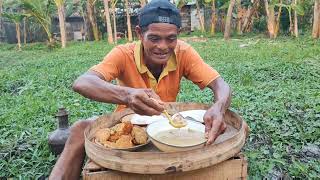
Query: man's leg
(70,162)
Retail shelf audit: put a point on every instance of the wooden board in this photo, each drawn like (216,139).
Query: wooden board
(234,168)
(152,162)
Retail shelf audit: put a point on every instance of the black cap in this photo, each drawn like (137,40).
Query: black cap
(159,11)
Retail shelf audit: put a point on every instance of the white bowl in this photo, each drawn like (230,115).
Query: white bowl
(159,126)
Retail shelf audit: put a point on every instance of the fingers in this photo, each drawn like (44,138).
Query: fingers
(152,103)
(214,131)
(139,107)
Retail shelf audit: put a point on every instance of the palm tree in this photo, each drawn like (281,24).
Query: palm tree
(16,18)
(107,14)
(92,19)
(128,21)
(40,10)
(60,6)
(316,20)
(228,20)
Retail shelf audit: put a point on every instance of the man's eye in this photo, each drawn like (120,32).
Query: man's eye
(153,39)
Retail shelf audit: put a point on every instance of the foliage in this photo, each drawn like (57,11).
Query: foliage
(275,89)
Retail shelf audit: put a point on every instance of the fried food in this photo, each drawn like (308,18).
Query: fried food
(139,135)
(110,144)
(125,141)
(122,135)
(103,135)
(124,128)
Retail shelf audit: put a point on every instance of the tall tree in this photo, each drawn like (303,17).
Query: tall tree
(273,21)
(107,14)
(238,17)
(213,17)
(316,20)
(60,7)
(295,19)
(92,19)
(227,29)
(113,7)
(248,17)
(200,17)
(40,10)
(128,21)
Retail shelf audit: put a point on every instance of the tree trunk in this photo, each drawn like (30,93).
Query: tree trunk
(296,32)
(18,36)
(290,22)
(270,20)
(142,3)
(228,20)
(128,21)
(239,19)
(1,23)
(200,17)
(248,16)
(109,28)
(24,31)
(316,20)
(92,20)
(277,25)
(62,26)
(114,23)
(213,17)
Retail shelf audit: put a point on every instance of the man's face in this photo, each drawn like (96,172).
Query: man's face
(159,42)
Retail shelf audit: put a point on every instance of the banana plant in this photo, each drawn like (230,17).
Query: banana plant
(41,11)
(16,18)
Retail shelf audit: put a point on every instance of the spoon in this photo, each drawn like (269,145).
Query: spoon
(177,122)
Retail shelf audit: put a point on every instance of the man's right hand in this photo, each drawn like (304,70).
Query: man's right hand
(142,102)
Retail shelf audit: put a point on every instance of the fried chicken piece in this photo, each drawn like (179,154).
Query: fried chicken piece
(114,137)
(124,128)
(110,144)
(102,135)
(139,135)
(125,141)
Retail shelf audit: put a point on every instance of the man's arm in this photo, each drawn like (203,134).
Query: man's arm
(93,86)
(213,118)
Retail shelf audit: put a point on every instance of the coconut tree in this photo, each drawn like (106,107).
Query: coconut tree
(40,10)
(316,20)
(107,14)
(16,18)
(92,19)
(228,20)
(128,21)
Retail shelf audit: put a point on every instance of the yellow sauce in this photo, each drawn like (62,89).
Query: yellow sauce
(181,137)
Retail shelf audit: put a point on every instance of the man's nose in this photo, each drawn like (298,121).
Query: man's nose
(163,45)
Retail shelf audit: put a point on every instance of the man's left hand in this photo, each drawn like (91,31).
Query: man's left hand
(214,123)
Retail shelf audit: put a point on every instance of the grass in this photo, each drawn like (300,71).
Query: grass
(275,89)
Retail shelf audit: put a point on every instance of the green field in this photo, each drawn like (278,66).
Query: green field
(276,89)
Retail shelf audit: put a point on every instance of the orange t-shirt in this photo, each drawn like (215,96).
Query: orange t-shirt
(125,63)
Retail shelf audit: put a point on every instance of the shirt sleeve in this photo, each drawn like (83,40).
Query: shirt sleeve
(196,70)
(111,66)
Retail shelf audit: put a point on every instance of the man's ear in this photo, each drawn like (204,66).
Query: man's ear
(139,32)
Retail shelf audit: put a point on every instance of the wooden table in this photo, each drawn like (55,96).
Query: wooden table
(234,168)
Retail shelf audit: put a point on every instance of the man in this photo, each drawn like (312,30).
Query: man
(150,68)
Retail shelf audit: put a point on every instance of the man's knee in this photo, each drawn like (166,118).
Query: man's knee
(76,131)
